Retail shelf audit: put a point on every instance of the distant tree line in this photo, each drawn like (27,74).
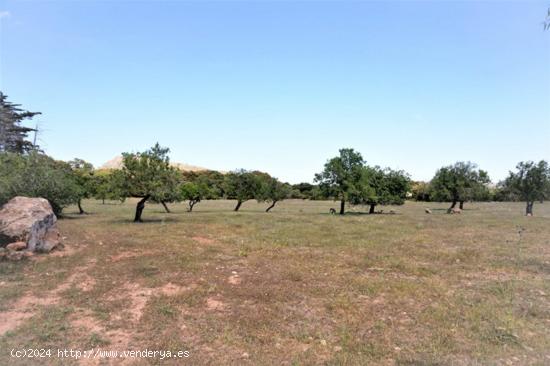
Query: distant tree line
(149,177)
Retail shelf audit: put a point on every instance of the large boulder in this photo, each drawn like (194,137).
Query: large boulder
(29,220)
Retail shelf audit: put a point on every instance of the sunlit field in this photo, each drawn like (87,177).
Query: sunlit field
(296,286)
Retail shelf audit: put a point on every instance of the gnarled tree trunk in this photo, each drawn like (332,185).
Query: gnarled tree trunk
(139,208)
(192,203)
(529,208)
(165,207)
(453,205)
(461,205)
(342,207)
(239,203)
(80,210)
(371,210)
(271,206)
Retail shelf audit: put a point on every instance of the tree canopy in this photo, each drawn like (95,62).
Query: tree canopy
(458,183)
(107,186)
(37,175)
(241,185)
(383,187)
(13,135)
(148,175)
(200,188)
(530,182)
(83,173)
(271,190)
(342,177)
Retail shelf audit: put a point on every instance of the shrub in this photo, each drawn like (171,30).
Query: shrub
(37,175)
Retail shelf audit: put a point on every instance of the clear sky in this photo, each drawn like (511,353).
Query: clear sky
(280,86)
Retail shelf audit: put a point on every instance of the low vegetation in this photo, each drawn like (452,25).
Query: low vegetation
(295,286)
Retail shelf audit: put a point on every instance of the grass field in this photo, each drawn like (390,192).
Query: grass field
(296,286)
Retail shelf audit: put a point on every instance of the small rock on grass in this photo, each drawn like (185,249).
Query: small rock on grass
(14,256)
(18,245)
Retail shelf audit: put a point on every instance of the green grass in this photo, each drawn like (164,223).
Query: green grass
(295,286)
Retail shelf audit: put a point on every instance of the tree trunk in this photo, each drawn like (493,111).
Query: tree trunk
(371,210)
(453,205)
(342,207)
(461,205)
(270,207)
(139,208)
(529,208)
(192,204)
(165,207)
(239,203)
(103,201)
(80,210)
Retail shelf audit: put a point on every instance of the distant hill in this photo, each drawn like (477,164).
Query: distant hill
(116,163)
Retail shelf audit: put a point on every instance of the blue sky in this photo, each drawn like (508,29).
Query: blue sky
(280,86)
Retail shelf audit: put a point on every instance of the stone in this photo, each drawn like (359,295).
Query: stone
(29,220)
(428,211)
(14,256)
(18,245)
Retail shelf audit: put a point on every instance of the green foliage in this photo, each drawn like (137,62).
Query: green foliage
(271,190)
(213,179)
(420,191)
(303,190)
(106,186)
(348,179)
(37,175)
(460,182)
(343,177)
(13,136)
(201,188)
(241,185)
(384,186)
(504,193)
(83,174)
(530,182)
(148,174)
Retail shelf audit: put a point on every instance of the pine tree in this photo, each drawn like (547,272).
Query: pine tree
(13,136)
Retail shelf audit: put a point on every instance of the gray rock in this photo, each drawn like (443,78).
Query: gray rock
(29,220)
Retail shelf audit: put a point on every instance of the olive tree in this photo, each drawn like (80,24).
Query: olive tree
(271,190)
(198,190)
(530,182)
(241,185)
(383,187)
(458,183)
(83,173)
(148,176)
(343,177)
(106,186)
